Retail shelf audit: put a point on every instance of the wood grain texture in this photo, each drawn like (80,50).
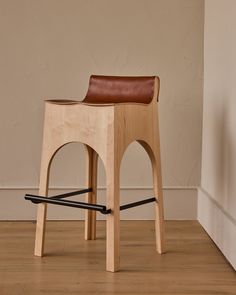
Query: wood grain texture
(71,265)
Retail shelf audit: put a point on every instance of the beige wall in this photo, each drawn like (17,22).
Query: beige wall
(217,198)
(50,47)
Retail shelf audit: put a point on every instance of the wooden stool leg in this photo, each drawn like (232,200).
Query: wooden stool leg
(113,219)
(42,208)
(157,186)
(90,215)
(154,155)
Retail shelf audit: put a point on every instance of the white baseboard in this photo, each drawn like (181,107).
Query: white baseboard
(180,203)
(220,226)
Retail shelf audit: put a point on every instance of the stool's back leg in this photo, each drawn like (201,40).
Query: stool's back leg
(91,197)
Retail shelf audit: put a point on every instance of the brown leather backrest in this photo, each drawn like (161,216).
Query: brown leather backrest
(117,89)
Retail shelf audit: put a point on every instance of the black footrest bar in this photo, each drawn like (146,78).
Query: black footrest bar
(66,195)
(75,193)
(135,204)
(74,204)
(56,200)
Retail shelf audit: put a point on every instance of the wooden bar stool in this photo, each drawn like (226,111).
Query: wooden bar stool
(115,112)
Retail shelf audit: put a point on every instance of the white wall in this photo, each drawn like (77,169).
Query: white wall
(217,197)
(48,50)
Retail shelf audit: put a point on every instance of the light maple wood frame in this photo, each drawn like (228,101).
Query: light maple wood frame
(106,130)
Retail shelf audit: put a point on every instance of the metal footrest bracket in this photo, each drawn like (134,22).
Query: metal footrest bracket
(56,200)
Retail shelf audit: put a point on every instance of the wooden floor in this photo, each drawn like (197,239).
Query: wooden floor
(192,265)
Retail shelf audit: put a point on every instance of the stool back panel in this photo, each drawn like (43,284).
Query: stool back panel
(115,89)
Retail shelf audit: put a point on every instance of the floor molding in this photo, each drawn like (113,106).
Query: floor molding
(220,226)
(99,188)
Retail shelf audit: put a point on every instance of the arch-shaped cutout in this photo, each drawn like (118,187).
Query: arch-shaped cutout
(149,151)
(67,165)
(136,173)
(52,157)
(148,162)
(144,144)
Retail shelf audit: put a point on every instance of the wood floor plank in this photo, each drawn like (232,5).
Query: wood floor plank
(192,264)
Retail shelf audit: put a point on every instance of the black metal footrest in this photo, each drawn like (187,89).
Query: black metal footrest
(56,200)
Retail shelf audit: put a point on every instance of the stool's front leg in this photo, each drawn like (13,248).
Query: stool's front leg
(42,208)
(159,222)
(113,219)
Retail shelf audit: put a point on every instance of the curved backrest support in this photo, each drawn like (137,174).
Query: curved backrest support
(117,89)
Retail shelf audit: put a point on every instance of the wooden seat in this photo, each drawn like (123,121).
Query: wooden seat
(115,112)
